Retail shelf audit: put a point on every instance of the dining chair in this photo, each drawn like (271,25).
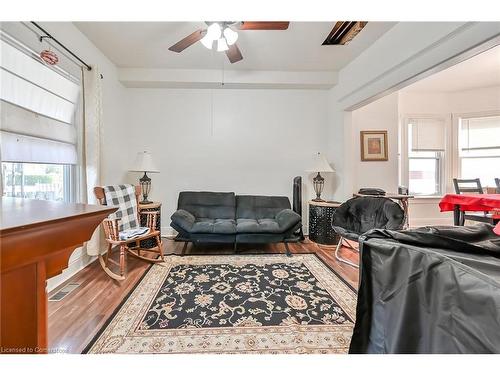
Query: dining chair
(472,186)
(468,186)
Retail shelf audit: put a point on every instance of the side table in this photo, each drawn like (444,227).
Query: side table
(149,207)
(320,222)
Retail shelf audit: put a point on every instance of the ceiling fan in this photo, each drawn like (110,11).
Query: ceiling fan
(225,33)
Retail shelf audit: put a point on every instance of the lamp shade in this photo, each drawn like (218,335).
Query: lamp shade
(144,163)
(321,165)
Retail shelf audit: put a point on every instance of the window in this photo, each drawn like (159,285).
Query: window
(479,151)
(425,155)
(38,135)
(37,181)
(425,173)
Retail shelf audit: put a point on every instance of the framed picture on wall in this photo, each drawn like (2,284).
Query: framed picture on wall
(373,145)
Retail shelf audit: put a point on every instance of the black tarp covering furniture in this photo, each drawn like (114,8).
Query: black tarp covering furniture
(429,290)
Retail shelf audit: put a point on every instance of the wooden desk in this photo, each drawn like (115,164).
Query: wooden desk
(401,198)
(36,241)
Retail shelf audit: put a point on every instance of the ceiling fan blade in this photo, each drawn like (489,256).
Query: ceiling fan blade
(266,25)
(234,54)
(187,41)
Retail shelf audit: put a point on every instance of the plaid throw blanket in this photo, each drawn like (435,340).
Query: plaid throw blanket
(123,196)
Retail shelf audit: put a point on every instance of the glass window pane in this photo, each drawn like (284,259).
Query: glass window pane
(485,169)
(423,176)
(35,181)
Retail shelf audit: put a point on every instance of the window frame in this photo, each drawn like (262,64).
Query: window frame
(444,161)
(457,157)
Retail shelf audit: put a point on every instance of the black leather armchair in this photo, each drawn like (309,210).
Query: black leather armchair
(361,214)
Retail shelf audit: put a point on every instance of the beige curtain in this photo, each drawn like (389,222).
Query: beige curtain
(90,175)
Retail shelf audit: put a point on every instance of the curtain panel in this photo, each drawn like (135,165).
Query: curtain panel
(90,175)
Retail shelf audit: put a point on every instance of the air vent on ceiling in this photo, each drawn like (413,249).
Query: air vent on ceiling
(67,289)
(343,32)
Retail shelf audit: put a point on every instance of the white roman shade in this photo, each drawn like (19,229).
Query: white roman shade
(22,148)
(482,133)
(427,134)
(38,107)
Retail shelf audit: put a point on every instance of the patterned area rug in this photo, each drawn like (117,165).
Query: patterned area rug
(233,304)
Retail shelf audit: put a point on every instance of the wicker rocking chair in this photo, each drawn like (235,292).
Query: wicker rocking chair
(114,234)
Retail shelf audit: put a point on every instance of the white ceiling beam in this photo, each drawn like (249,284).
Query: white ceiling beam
(208,78)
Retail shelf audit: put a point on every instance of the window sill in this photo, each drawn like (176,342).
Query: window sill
(433,200)
(428,197)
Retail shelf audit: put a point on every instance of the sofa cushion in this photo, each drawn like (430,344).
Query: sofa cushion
(203,204)
(257,226)
(219,226)
(259,207)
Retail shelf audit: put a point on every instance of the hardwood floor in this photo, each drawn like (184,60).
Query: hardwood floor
(76,319)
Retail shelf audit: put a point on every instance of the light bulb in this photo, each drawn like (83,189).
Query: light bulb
(207,41)
(230,35)
(213,31)
(222,45)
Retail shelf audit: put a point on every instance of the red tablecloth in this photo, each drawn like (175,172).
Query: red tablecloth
(472,202)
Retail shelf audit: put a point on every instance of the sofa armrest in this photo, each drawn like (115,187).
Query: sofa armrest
(183,219)
(287,219)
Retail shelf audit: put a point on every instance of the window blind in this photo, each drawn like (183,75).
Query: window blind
(482,133)
(38,107)
(427,134)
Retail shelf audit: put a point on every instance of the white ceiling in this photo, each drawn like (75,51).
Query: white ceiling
(482,70)
(145,45)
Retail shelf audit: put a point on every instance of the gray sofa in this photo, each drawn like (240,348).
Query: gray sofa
(210,217)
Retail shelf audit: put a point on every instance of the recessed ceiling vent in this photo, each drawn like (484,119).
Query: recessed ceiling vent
(343,32)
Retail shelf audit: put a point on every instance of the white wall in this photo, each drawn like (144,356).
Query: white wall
(246,141)
(379,115)
(459,102)
(477,100)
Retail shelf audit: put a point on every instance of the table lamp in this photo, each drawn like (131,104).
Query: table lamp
(144,163)
(320,165)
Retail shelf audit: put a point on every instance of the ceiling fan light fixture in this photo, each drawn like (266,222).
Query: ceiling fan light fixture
(222,45)
(214,31)
(207,41)
(230,35)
